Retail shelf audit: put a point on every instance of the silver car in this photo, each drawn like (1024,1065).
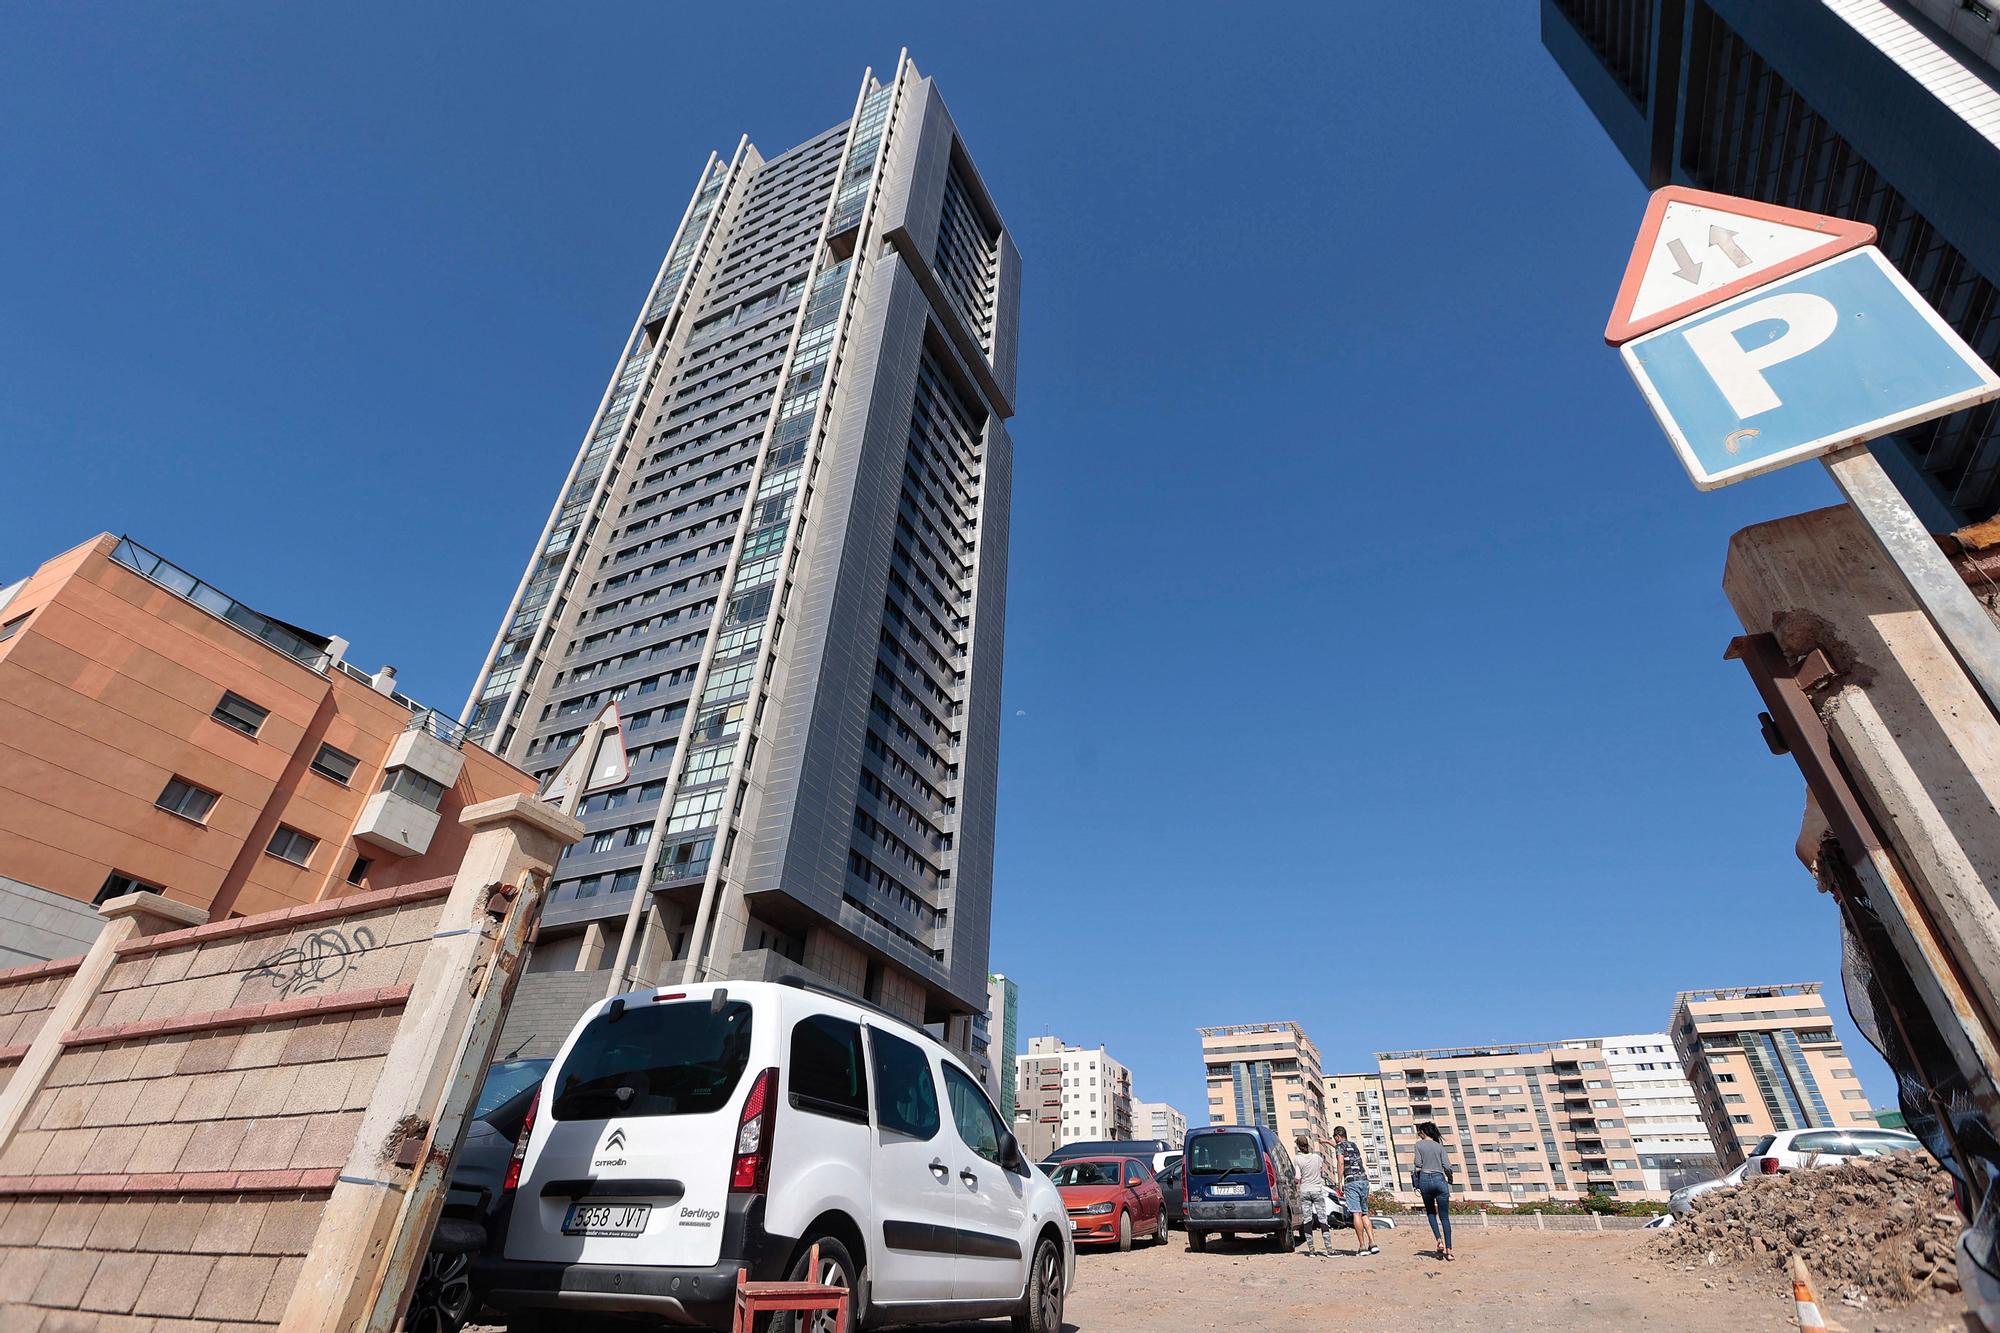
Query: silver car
(1681,1200)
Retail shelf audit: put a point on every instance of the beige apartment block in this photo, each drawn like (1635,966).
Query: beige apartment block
(1525,1123)
(1763,1059)
(1265,1074)
(1069,1094)
(1355,1101)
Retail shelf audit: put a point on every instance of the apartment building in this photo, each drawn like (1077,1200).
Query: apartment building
(1525,1123)
(1355,1101)
(1762,1059)
(994,1034)
(1672,1139)
(781,552)
(1265,1074)
(1159,1120)
(1066,1094)
(157,734)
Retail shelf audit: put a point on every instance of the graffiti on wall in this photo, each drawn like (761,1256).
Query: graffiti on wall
(319,959)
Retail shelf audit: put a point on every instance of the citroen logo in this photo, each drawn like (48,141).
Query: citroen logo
(617,1140)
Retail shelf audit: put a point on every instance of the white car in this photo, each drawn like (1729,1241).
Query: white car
(1795,1148)
(686,1132)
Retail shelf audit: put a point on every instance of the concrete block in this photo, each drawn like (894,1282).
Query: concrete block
(125,1006)
(110,1103)
(214,956)
(159,1056)
(369,1034)
(116,1285)
(289,1225)
(24,1152)
(160,1099)
(114,1062)
(279,1290)
(72,1067)
(413,925)
(259,1046)
(160,1149)
(24,1268)
(210,1097)
(114,1147)
(69,1226)
(59,1108)
(172,1223)
(267,1092)
(208,1052)
(24,1222)
(120,1224)
(235,1288)
(174,1285)
(213,1146)
(170,965)
(362,1077)
(314,1039)
(65,1279)
(328,1139)
(270,1144)
(230,1227)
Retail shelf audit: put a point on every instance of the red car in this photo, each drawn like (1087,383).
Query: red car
(1111,1199)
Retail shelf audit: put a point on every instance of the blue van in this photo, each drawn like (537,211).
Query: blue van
(1238,1178)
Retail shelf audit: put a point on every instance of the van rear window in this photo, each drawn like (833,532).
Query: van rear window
(663,1059)
(1209,1153)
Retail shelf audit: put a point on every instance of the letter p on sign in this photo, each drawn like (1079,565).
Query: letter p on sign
(1738,370)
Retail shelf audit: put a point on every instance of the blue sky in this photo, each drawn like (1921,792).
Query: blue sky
(1364,648)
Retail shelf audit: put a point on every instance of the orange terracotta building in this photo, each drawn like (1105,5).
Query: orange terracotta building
(157,734)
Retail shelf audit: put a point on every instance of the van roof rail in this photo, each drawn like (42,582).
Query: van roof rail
(797,982)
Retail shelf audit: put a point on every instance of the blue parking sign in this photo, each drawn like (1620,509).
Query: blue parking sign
(1836,354)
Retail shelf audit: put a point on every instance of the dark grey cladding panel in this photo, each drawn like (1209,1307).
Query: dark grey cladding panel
(972,879)
(913,196)
(1007,317)
(834,621)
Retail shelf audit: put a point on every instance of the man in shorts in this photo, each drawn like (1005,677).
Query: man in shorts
(1353,1175)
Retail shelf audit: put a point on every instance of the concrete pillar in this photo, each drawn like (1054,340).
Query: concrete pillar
(512,837)
(125,918)
(590,954)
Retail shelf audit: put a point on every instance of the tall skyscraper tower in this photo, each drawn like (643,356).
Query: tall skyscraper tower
(782,553)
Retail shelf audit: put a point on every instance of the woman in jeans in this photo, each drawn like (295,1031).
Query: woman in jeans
(1433,1180)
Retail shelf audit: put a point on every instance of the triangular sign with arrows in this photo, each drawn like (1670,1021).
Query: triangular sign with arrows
(1696,249)
(600,760)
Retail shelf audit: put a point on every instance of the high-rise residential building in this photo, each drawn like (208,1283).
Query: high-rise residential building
(1524,1123)
(1159,1120)
(1068,1094)
(1265,1074)
(994,1032)
(157,734)
(1355,1101)
(1667,1128)
(1887,111)
(1763,1059)
(781,552)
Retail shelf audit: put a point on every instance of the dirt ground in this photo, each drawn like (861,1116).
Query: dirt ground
(1505,1279)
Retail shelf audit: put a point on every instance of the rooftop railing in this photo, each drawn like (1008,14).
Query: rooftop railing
(174,579)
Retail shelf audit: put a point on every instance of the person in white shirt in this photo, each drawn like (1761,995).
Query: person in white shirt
(1309,1174)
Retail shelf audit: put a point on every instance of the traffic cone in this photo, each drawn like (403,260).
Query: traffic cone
(1807,1301)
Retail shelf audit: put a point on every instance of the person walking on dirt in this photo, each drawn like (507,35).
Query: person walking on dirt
(1353,1173)
(1309,1174)
(1433,1181)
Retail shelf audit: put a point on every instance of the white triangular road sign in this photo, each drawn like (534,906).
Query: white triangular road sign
(1696,249)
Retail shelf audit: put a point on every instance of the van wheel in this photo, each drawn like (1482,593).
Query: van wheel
(1044,1312)
(1288,1240)
(1124,1233)
(836,1269)
(1197,1241)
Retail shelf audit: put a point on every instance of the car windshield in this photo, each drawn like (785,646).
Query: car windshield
(664,1059)
(1763,1145)
(1223,1152)
(506,1080)
(1087,1173)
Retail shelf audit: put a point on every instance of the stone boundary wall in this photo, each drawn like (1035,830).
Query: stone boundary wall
(175,1162)
(27,994)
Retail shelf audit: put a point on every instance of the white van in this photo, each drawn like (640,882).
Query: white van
(685,1132)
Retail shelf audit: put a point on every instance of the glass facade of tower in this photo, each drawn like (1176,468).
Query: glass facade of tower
(781,555)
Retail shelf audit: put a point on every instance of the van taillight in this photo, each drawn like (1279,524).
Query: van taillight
(513,1178)
(1271,1175)
(750,1169)
(1767,1166)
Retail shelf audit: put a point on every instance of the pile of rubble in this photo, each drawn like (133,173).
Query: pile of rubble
(1877,1230)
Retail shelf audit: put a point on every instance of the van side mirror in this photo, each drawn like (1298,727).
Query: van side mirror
(1010,1154)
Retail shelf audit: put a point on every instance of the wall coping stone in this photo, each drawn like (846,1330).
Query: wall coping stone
(36,971)
(374,997)
(286,917)
(12,1054)
(174,1182)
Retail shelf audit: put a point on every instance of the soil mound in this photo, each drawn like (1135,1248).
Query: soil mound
(1873,1231)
